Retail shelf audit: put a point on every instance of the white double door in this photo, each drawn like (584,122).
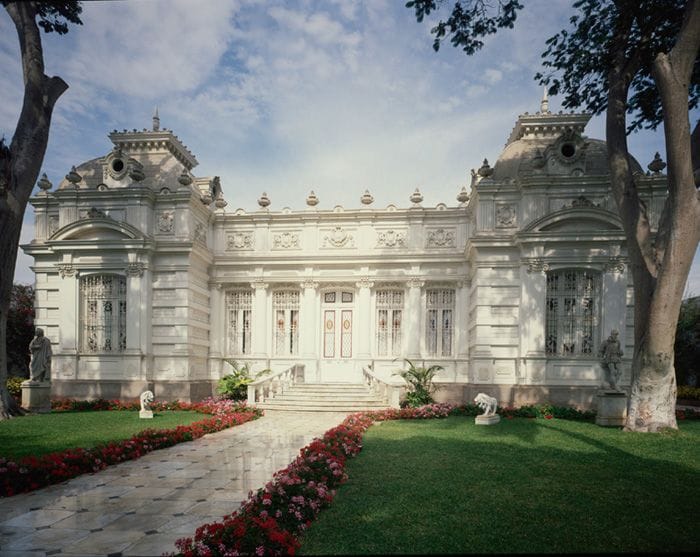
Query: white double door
(338,323)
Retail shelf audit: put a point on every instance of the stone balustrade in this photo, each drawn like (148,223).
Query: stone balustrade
(390,391)
(270,386)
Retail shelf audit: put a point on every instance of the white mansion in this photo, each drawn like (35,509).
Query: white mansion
(144,280)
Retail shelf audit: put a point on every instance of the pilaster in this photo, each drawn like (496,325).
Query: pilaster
(412,341)
(260,328)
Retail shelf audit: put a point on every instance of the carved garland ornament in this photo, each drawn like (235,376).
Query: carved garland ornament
(239,240)
(391,239)
(505,216)
(537,266)
(615,265)
(135,269)
(165,222)
(441,238)
(65,269)
(338,238)
(286,240)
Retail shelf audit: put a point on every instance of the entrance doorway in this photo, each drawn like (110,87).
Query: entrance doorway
(337,321)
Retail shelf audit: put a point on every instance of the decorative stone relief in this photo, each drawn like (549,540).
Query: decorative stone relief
(309,284)
(364,282)
(441,238)
(505,216)
(239,241)
(95,213)
(65,269)
(259,285)
(286,240)
(391,239)
(135,269)
(165,222)
(200,233)
(615,265)
(537,266)
(583,201)
(338,238)
(53,225)
(415,283)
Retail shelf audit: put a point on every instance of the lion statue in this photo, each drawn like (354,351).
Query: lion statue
(146,400)
(487,403)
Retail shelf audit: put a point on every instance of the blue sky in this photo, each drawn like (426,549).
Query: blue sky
(335,96)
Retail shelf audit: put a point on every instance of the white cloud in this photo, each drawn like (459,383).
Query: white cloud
(492,76)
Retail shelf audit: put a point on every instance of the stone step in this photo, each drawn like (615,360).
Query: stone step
(326,397)
(329,397)
(307,407)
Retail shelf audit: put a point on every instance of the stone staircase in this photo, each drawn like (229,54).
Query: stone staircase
(326,397)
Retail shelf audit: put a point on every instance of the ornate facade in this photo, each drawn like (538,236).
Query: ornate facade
(144,280)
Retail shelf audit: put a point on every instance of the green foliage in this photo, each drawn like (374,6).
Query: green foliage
(14,386)
(577,60)
(688,393)
(235,385)
(55,16)
(420,383)
(20,329)
(440,487)
(687,347)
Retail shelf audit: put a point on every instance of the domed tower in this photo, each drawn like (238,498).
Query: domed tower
(121,250)
(548,261)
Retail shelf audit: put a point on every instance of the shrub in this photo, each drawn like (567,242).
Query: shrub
(686,392)
(14,386)
(420,384)
(234,386)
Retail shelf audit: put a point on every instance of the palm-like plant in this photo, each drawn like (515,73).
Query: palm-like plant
(235,385)
(420,383)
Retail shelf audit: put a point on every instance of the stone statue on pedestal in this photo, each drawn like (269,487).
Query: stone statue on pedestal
(611,355)
(40,363)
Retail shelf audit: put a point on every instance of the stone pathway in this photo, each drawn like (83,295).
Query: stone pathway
(140,507)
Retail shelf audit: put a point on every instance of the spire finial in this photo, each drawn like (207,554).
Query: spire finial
(544,105)
(156,121)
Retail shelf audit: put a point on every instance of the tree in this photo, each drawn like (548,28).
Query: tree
(21,161)
(638,57)
(20,329)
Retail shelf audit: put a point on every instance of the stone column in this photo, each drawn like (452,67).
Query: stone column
(217,321)
(135,307)
(412,319)
(69,321)
(461,326)
(308,322)
(363,327)
(260,328)
(613,300)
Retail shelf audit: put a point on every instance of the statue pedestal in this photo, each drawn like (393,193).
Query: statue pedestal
(36,396)
(487,420)
(612,408)
(146,414)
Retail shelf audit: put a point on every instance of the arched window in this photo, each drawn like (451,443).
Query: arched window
(285,308)
(238,317)
(389,320)
(103,313)
(573,312)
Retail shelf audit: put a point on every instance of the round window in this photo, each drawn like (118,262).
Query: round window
(117,165)
(568,150)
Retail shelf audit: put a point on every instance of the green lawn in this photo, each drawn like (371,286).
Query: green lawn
(46,433)
(535,486)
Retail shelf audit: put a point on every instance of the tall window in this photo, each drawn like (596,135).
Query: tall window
(573,308)
(239,312)
(389,319)
(103,313)
(285,308)
(440,307)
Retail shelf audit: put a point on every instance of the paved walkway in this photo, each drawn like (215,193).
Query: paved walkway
(140,507)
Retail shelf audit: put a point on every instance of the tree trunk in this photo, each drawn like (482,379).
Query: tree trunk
(659,288)
(21,163)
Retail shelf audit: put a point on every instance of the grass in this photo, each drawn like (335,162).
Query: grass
(40,434)
(523,486)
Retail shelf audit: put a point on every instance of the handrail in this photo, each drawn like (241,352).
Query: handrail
(270,386)
(391,391)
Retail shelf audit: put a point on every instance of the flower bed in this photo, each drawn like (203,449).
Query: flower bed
(273,519)
(31,473)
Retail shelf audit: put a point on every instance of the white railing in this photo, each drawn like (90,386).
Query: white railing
(275,384)
(390,391)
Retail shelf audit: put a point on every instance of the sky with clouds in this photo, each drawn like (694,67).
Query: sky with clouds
(282,96)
